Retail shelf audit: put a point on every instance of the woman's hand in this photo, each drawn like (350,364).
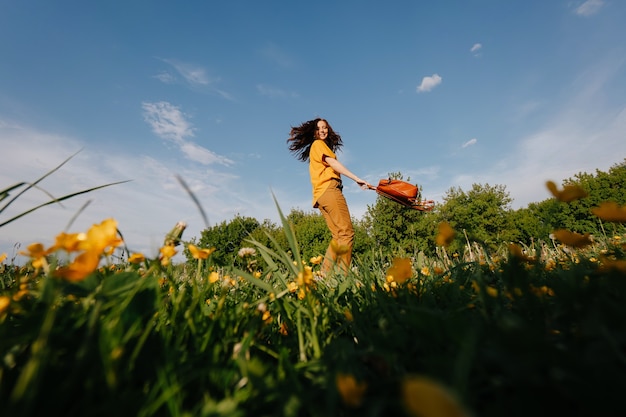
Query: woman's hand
(364,184)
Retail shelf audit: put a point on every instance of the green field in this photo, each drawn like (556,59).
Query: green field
(88,328)
(533,332)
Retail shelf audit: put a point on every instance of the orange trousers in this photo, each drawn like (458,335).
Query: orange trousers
(334,208)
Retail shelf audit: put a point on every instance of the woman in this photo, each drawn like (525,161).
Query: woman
(317,142)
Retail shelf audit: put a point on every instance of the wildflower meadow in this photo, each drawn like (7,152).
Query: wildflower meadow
(88,328)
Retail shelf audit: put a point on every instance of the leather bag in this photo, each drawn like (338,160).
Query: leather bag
(403,193)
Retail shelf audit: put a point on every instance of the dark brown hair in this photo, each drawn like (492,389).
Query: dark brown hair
(301,138)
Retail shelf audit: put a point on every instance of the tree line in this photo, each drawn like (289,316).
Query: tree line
(482,214)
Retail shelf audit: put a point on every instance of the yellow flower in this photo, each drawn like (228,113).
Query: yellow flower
(37,254)
(425,271)
(573,239)
(543,290)
(518,253)
(167,252)
(492,292)
(101,237)
(445,235)
(610,211)
(400,270)
(3,256)
(136,258)
(348,315)
(351,391)
(69,242)
(4,303)
(214,277)
(569,193)
(316,260)
(339,249)
(517,292)
(305,277)
(267,317)
(613,265)
(292,287)
(424,397)
(83,265)
(198,253)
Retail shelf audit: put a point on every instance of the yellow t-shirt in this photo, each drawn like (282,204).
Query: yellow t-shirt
(321,173)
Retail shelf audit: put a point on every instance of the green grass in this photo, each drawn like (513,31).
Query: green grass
(504,335)
(524,331)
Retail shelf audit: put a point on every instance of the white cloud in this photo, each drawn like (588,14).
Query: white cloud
(202,155)
(193,74)
(196,77)
(475,48)
(428,83)
(470,143)
(146,208)
(576,141)
(585,134)
(168,122)
(589,7)
(165,77)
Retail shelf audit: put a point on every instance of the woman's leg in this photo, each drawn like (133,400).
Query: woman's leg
(334,208)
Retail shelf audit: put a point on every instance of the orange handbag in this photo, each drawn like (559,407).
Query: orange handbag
(403,193)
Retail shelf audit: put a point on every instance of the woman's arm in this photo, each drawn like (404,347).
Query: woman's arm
(341,169)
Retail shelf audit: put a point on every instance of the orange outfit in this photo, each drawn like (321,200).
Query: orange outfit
(328,197)
(321,173)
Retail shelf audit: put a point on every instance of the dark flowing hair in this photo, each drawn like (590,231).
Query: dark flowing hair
(301,138)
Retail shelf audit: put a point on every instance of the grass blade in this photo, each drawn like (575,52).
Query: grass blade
(195,200)
(32,185)
(65,197)
(6,192)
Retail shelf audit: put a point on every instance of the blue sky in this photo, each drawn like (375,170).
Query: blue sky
(449,93)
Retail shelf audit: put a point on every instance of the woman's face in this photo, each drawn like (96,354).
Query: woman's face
(322,130)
